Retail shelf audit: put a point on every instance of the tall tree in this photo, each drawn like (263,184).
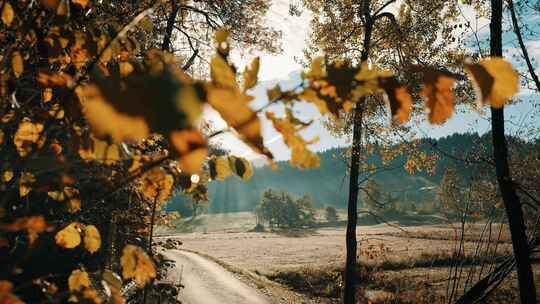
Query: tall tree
(511,200)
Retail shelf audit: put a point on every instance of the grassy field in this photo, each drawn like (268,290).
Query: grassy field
(400,262)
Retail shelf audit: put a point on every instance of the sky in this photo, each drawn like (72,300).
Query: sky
(283,69)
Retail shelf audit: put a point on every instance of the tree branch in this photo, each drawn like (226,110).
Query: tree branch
(522,44)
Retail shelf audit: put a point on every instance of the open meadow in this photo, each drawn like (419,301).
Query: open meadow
(397,261)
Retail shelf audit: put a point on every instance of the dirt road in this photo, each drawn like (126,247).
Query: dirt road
(208,283)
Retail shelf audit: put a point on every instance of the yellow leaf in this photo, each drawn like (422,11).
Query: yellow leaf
(316,69)
(7,176)
(1,136)
(220,37)
(92,238)
(495,81)
(27,135)
(100,113)
(105,152)
(250,74)
(191,149)
(25,183)
(47,94)
(274,93)
(73,205)
(368,80)
(125,68)
(137,265)
(56,111)
(57,195)
(17,64)
(7,13)
(241,167)
(300,155)
(78,280)
(156,184)
(69,237)
(438,94)
(310,95)
(222,74)
(219,168)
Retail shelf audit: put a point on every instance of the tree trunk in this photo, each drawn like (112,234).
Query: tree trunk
(166,44)
(352,212)
(511,200)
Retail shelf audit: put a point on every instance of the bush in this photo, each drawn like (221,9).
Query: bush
(331,214)
(281,210)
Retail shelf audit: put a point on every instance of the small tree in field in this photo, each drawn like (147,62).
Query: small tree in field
(282,210)
(331,214)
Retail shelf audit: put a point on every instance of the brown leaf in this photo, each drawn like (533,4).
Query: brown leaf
(495,81)
(34,225)
(26,180)
(399,99)
(17,64)
(190,149)
(6,294)
(438,94)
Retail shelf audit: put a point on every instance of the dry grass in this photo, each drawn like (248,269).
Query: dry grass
(405,265)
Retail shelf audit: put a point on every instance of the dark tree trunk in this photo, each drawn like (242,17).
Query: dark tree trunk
(511,200)
(352,212)
(166,44)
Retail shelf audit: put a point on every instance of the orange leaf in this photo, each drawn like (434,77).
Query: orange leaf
(17,64)
(438,94)
(137,265)
(495,81)
(399,99)
(190,149)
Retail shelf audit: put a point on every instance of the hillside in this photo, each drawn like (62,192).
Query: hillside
(331,180)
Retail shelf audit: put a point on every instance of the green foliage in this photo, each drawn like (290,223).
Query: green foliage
(331,214)
(281,210)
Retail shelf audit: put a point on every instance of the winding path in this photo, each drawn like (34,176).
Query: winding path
(208,283)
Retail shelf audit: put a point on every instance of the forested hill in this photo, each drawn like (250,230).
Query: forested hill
(327,185)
